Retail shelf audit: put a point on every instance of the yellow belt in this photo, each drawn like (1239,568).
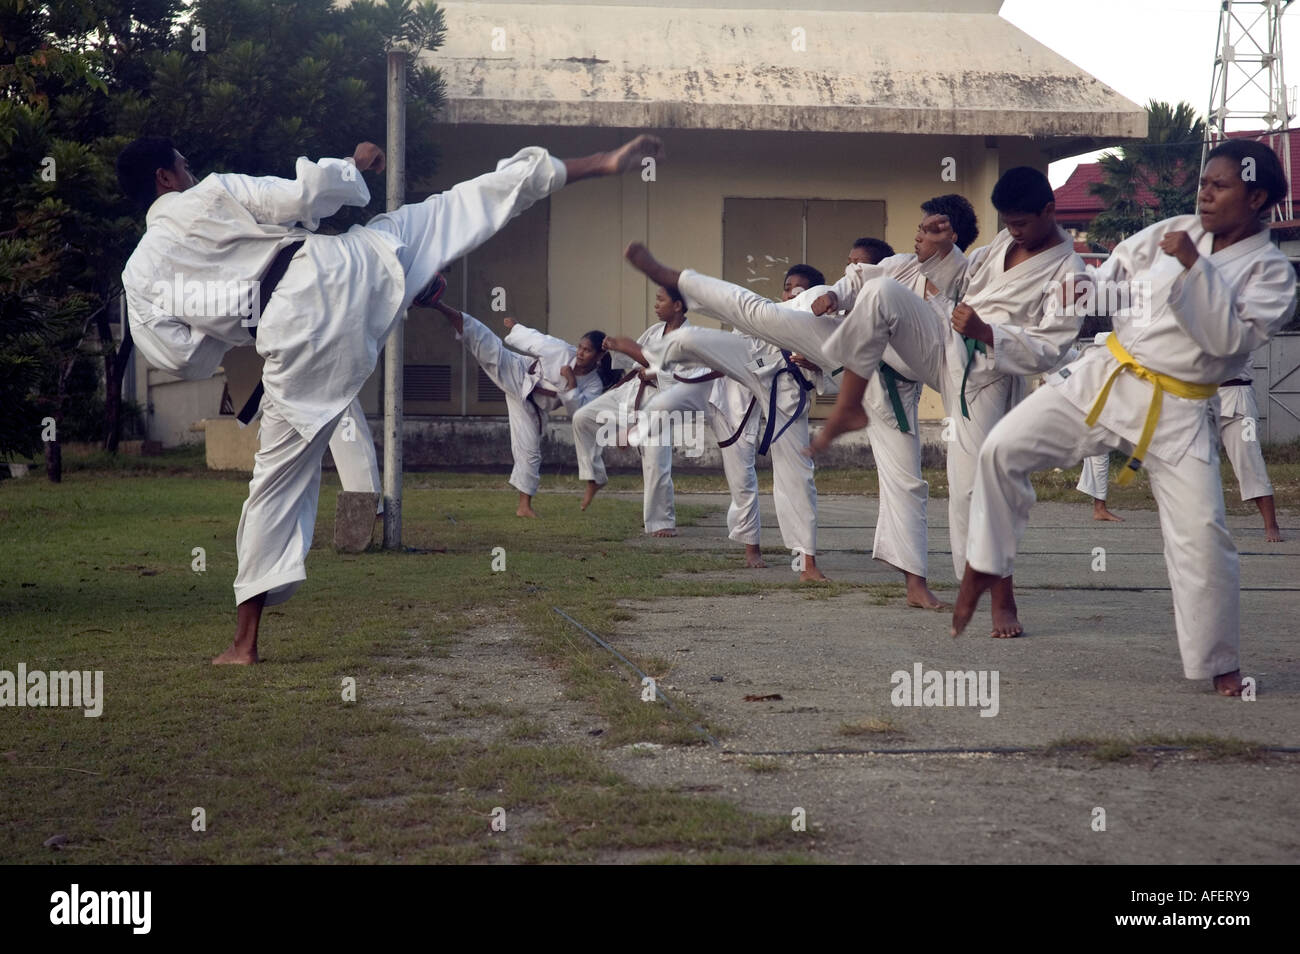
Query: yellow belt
(1161,383)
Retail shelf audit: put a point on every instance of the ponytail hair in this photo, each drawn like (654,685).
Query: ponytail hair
(605,366)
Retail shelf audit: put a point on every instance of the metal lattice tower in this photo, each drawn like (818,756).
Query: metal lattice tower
(1248,91)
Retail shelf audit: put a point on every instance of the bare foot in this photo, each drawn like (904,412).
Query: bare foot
(1006,623)
(842,419)
(590,493)
(664,533)
(811,574)
(236,656)
(525,511)
(973,585)
(1228,684)
(1100,512)
(641,259)
(1273,534)
(631,153)
(920,596)
(754,557)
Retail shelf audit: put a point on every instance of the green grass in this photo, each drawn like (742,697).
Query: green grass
(95,573)
(1108,749)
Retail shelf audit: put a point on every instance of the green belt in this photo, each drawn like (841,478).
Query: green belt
(892,378)
(972,345)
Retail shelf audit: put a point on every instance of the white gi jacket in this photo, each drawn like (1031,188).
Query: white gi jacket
(1201,322)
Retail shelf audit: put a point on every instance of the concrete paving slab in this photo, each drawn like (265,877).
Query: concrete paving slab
(1099,656)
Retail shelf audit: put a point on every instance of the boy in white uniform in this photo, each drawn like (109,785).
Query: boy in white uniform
(323,305)
(549,374)
(1217,289)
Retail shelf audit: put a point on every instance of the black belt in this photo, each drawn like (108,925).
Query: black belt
(265,288)
(1236,383)
(805,386)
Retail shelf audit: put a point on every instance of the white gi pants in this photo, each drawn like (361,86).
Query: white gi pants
(278,519)
(902,539)
(1094,478)
(592,422)
(1235,406)
(1046,430)
(509,371)
(664,414)
(744,521)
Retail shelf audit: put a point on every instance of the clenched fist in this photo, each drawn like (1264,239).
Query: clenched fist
(966,322)
(368,157)
(1181,247)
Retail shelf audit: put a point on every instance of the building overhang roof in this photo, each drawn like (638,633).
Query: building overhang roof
(876,70)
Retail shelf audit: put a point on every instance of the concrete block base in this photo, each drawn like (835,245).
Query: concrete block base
(354,521)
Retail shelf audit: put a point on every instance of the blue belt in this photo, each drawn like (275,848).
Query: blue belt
(804,387)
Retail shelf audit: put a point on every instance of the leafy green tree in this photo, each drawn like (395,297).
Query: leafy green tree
(239,85)
(1154,179)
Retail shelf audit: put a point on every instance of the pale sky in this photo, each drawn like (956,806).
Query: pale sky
(1144,49)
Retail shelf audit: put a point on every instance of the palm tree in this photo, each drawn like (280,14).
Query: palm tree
(1154,179)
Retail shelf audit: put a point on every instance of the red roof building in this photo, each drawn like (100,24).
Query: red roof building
(1076,206)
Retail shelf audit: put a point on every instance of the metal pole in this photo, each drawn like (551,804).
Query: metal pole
(394,361)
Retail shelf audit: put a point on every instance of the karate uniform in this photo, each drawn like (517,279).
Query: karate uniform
(674,399)
(616,413)
(900,530)
(902,536)
(759,368)
(735,423)
(1201,324)
(1030,333)
(1233,406)
(322,329)
(518,376)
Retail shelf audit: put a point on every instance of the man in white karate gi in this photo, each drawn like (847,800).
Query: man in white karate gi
(1215,289)
(934,271)
(322,308)
(1010,322)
